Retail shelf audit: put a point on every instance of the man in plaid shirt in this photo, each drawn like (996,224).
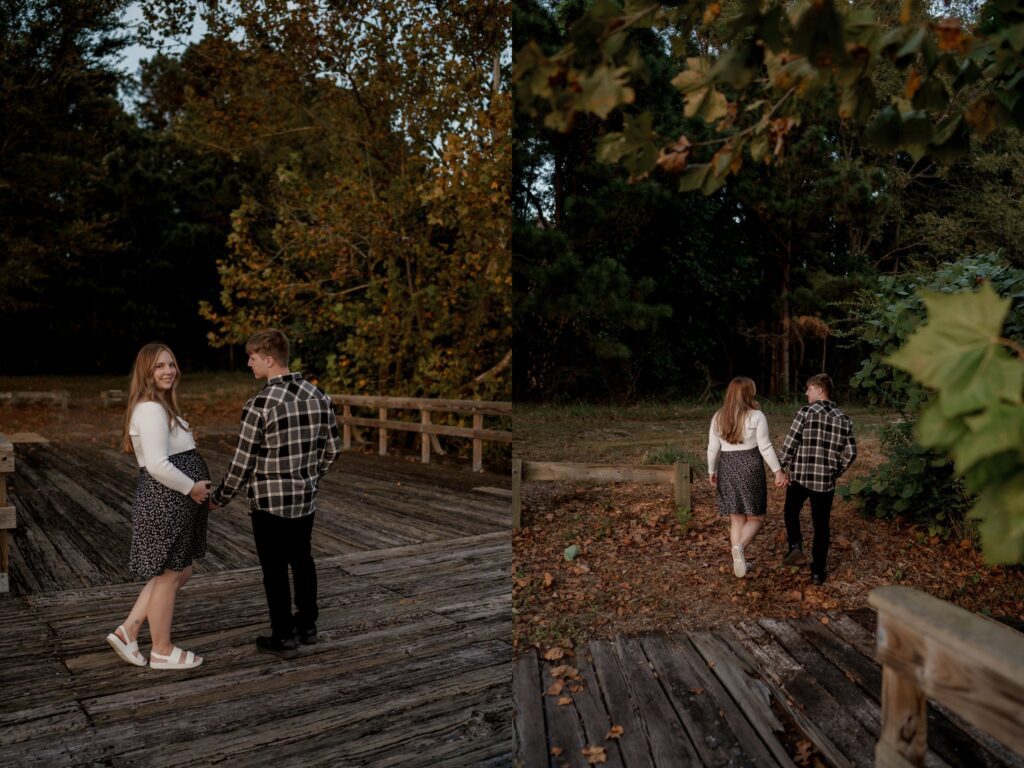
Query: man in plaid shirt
(287,442)
(818,449)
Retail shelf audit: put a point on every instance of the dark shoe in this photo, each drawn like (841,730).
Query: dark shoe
(282,647)
(795,555)
(306,636)
(817,579)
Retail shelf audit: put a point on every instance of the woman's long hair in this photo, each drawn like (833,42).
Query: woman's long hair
(142,388)
(739,401)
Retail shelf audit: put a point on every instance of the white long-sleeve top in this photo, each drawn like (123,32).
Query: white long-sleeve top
(154,440)
(755,435)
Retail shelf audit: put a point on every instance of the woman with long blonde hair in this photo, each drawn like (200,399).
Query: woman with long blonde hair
(737,442)
(169,510)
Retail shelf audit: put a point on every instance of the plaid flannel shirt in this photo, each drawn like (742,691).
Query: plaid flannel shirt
(819,446)
(287,442)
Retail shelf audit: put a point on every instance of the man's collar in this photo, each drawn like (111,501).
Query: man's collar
(293,376)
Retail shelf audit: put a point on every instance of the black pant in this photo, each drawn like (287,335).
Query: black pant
(821,510)
(281,542)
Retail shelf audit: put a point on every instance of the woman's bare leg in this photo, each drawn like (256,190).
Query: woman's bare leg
(161,610)
(736,529)
(749,529)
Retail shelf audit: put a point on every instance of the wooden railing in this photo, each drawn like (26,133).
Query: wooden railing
(58,397)
(8,519)
(679,476)
(429,431)
(931,649)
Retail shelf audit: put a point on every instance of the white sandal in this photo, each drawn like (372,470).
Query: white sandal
(127,651)
(174,660)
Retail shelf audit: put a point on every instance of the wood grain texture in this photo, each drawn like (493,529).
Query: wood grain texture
(397,678)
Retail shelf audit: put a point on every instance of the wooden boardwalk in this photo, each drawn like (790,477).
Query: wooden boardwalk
(413,665)
(752,695)
(74,522)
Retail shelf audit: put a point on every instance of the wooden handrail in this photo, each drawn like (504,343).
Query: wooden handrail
(427,430)
(678,475)
(931,649)
(8,518)
(486,407)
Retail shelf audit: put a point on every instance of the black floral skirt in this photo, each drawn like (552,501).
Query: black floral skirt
(742,487)
(168,528)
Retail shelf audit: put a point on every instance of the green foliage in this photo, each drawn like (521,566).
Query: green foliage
(886,316)
(976,415)
(914,484)
(685,516)
(376,230)
(769,57)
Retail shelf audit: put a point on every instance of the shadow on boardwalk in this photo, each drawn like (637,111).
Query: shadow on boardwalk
(744,696)
(412,667)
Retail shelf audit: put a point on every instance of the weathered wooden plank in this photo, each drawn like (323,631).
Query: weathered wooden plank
(565,731)
(709,714)
(835,733)
(528,714)
(594,715)
(621,707)
(667,738)
(729,675)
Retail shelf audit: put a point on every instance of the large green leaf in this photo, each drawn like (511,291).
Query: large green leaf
(957,352)
(1002,524)
(1000,428)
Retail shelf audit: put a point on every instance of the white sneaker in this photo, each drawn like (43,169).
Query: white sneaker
(739,565)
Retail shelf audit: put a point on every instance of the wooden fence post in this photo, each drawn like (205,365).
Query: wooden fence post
(517,491)
(382,413)
(8,519)
(425,437)
(346,428)
(681,484)
(478,444)
(904,738)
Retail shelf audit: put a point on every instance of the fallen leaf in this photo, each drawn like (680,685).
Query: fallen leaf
(614,732)
(595,755)
(555,689)
(554,654)
(824,620)
(697,691)
(548,579)
(565,700)
(556,751)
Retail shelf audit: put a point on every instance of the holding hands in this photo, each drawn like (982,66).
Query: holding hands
(781,479)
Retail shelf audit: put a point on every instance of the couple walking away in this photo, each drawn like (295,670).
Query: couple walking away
(818,449)
(287,441)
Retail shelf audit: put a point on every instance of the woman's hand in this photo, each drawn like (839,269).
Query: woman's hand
(713,479)
(200,491)
(781,479)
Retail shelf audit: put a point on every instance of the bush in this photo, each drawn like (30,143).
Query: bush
(916,485)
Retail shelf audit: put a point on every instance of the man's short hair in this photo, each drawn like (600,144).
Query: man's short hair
(821,380)
(269,342)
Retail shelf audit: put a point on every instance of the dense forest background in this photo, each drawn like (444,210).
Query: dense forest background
(627,288)
(339,172)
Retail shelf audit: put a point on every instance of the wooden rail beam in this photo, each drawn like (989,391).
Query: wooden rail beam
(428,431)
(679,475)
(932,649)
